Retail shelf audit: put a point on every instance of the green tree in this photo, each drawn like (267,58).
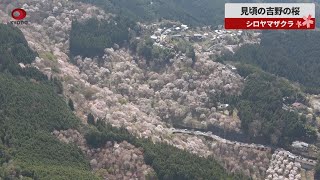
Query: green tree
(167,161)
(71,105)
(317,173)
(57,86)
(90,119)
(195,13)
(286,54)
(29,112)
(191,53)
(89,39)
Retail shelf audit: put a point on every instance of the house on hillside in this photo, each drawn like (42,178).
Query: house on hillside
(298,145)
(184,27)
(176,36)
(231,67)
(298,106)
(168,31)
(197,36)
(154,37)
(223,106)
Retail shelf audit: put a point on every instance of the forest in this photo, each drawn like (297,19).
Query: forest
(317,173)
(260,108)
(290,54)
(167,161)
(30,109)
(89,39)
(13,48)
(195,13)
(261,113)
(156,57)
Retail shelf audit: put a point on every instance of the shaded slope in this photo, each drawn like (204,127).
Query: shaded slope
(196,13)
(30,109)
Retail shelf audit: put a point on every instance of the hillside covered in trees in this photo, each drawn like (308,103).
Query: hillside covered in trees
(167,161)
(290,54)
(195,13)
(30,109)
(260,108)
(13,48)
(261,113)
(90,38)
(29,112)
(204,12)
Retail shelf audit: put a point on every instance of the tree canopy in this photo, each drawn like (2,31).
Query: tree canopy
(196,13)
(167,161)
(290,54)
(13,49)
(261,112)
(30,109)
(90,38)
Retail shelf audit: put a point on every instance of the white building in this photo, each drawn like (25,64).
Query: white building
(197,35)
(22,65)
(184,27)
(167,31)
(300,145)
(154,37)
(159,31)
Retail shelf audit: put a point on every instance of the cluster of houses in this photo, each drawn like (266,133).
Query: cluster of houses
(223,33)
(162,35)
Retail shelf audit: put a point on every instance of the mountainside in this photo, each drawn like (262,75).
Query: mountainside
(150,99)
(293,55)
(199,12)
(191,12)
(32,114)
(29,110)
